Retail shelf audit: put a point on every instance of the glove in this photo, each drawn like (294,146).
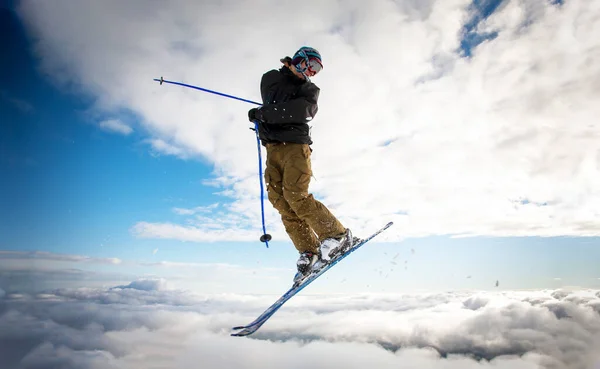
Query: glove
(254,114)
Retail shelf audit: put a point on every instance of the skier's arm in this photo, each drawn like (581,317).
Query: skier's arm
(301,109)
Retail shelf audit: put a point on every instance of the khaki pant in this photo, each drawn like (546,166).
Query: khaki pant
(287,175)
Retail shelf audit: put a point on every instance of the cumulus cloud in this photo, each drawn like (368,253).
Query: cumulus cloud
(153,327)
(160,146)
(503,142)
(211,230)
(115,125)
(146,285)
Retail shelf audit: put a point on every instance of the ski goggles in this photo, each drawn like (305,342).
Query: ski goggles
(314,65)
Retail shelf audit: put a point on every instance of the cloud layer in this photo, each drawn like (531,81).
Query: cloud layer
(34,272)
(144,325)
(503,142)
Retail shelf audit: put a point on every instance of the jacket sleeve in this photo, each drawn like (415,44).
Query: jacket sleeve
(301,109)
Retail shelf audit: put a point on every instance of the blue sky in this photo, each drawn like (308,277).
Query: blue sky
(71,187)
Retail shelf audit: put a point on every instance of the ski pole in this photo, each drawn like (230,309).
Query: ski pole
(161,80)
(265,237)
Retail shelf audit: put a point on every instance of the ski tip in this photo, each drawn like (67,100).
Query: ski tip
(389,224)
(244,332)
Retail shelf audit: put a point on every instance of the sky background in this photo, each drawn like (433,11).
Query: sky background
(130,212)
(478,143)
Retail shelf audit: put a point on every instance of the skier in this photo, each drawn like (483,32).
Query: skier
(289,103)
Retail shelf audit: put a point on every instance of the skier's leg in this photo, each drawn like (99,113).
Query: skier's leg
(302,236)
(296,179)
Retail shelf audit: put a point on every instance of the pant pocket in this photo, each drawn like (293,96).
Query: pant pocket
(298,173)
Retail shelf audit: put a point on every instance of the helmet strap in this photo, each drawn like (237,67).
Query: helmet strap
(303,70)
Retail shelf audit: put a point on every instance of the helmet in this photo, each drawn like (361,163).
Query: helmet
(313,60)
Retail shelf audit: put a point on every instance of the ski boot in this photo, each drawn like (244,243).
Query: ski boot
(331,248)
(304,265)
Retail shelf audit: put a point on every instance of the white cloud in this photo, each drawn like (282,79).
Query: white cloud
(51,270)
(198,209)
(115,125)
(51,256)
(147,285)
(160,146)
(190,233)
(502,143)
(36,277)
(152,327)
(177,264)
(214,227)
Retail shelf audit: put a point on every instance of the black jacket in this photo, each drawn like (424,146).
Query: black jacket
(289,103)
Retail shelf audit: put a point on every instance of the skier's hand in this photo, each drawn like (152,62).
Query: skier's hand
(254,114)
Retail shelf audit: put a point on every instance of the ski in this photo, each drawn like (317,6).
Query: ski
(247,330)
